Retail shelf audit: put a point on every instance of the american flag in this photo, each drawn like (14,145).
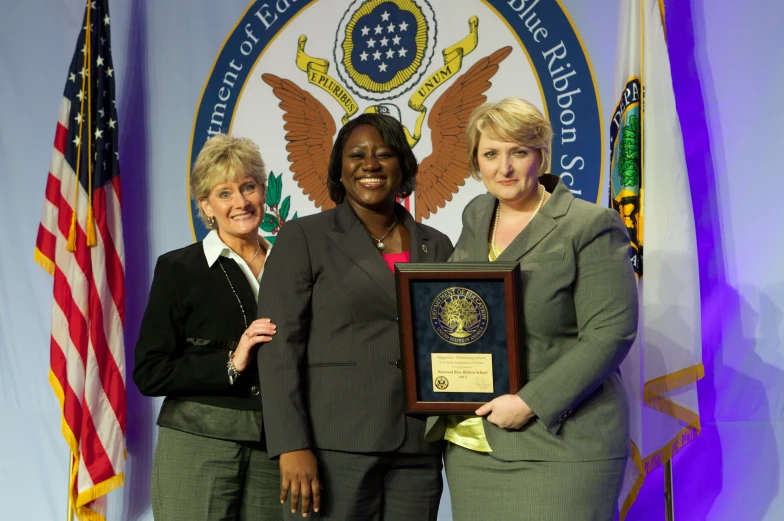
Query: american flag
(80,243)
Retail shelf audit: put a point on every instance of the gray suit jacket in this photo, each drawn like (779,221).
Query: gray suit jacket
(330,378)
(579,317)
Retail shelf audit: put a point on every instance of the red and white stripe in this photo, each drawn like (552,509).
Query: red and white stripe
(87,348)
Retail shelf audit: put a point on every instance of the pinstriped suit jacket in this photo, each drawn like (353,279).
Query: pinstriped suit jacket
(579,317)
(330,378)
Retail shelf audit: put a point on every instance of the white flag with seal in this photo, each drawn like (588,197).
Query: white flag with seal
(649,187)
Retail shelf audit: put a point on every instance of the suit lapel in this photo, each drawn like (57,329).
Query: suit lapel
(537,229)
(544,222)
(484,220)
(351,237)
(419,243)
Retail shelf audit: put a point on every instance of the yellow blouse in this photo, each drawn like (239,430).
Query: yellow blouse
(468,431)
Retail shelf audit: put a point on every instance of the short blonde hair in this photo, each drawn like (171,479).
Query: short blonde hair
(224,158)
(511,119)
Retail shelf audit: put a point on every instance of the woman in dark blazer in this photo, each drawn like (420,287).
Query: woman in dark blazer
(557,449)
(331,383)
(197,347)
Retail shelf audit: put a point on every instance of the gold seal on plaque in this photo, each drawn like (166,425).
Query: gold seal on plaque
(441,382)
(459,316)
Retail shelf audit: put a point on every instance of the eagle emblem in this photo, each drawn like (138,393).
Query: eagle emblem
(310,127)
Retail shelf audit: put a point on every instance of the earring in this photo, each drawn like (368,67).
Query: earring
(211,222)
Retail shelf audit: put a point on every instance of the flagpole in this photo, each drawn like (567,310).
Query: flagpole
(669,501)
(70,483)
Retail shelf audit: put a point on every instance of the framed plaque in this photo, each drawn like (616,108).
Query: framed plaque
(460,334)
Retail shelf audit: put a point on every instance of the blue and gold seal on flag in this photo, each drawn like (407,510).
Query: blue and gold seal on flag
(459,315)
(626,179)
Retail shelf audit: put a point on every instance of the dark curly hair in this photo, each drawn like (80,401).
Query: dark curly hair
(392,133)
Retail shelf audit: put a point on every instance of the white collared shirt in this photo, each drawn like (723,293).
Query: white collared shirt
(214,247)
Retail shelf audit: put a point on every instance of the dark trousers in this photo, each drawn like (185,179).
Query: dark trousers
(195,478)
(377,487)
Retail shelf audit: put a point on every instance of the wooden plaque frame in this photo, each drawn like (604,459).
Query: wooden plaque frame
(507,275)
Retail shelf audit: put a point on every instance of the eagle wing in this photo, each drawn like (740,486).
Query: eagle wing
(446,168)
(310,132)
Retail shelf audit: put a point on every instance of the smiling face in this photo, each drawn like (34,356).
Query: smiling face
(371,172)
(237,206)
(510,171)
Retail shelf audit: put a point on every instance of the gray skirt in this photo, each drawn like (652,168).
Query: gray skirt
(483,487)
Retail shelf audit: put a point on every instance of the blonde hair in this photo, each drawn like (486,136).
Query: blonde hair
(224,158)
(511,119)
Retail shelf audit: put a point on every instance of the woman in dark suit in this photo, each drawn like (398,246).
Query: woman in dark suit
(558,448)
(331,383)
(197,347)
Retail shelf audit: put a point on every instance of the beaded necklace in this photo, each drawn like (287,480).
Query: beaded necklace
(496,251)
(242,308)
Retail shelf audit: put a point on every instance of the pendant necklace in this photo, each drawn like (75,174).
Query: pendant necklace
(380,245)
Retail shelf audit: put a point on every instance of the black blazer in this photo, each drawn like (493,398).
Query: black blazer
(191,323)
(330,377)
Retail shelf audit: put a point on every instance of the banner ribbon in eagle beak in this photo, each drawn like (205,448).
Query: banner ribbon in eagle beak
(317,69)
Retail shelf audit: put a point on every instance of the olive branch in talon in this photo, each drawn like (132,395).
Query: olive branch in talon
(277,211)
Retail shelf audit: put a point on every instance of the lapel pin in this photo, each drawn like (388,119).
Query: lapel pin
(424,248)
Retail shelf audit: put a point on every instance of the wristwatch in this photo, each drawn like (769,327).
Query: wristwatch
(233,373)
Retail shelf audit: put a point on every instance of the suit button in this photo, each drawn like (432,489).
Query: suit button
(254,390)
(399,363)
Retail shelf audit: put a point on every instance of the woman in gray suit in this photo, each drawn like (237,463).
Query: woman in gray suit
(557,449)
(332,388)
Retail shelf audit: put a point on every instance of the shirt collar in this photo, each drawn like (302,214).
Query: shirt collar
(214,247)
